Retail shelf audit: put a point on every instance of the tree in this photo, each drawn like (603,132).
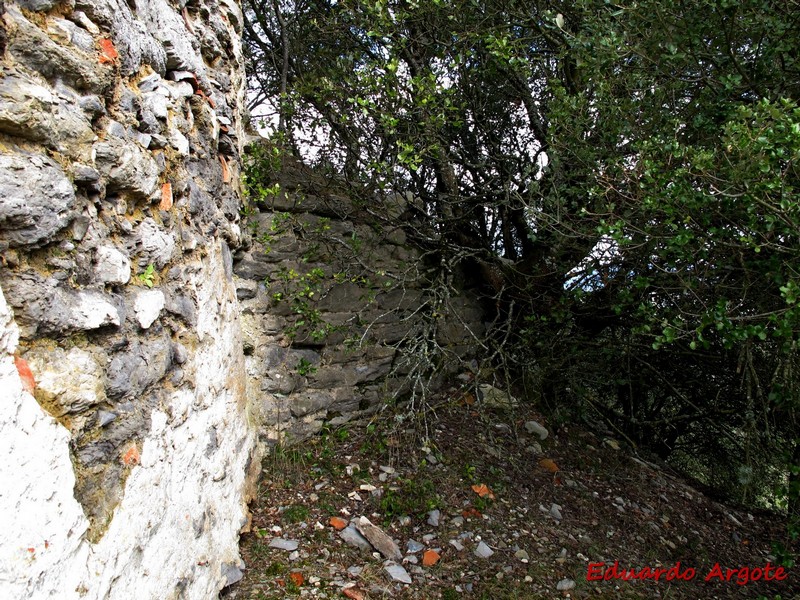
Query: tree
(620,177)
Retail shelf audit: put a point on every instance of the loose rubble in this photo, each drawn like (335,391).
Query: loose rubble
(473,523)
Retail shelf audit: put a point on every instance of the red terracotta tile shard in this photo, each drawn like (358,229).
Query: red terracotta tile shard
(470,513)
(206,97)
(192,79)
(430,558)
(108,53)
(166,197)
(297,578)
(337,523)
(131,456)
(25,374)
(483,491)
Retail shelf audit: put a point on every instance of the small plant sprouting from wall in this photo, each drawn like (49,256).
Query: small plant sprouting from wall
(147,277)
(304,367)
(301,292)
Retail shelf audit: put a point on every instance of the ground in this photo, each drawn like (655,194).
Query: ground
(482,470)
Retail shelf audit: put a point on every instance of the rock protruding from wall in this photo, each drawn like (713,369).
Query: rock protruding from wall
(126,436)
(341,311)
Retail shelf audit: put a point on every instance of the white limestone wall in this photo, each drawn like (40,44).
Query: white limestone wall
(42,526)
(127,450)
(175,532)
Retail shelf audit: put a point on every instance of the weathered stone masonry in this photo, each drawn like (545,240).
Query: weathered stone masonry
(127,443)
(380,317)
(152,342)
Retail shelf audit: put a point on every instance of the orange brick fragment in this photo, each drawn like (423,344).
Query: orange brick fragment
(25,374)
(354,593)
(226,172)
(338,523)
(131,456)
(483,491)
(166,197)
(548,465)
(297,578)
(430,558)
(470,512)
(108,53)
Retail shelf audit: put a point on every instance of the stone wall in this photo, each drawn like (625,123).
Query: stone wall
(148,337)
(128,446)
(342,311)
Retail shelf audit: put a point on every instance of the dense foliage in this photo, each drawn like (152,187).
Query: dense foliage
(620,178)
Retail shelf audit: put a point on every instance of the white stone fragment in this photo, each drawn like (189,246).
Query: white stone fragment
(555,512)
(535,428)
(483,550)
(112,265)
(565,585)
(150,83)
(148,306)
(179,142)
(158,244)
(93,311)
(180,89)
(397,572)
(351,536)
(157,104)
(284,544)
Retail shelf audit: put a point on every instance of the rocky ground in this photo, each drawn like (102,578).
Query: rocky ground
(471,502)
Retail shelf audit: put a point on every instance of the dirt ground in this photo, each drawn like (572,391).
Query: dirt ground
(483,473)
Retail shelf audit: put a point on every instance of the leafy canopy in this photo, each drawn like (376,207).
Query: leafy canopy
(619,179)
